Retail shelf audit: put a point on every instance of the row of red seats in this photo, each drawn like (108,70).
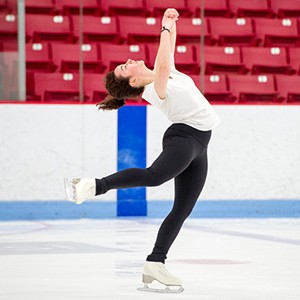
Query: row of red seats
(250,88)
(217,88)
(229,8)
(132,30)
(99,58)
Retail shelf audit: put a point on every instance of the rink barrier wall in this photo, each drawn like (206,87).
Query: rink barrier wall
(254,154)
(207,209)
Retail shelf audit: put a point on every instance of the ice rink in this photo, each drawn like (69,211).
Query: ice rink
(217,259)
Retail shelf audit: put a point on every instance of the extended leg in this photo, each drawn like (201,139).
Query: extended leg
(175,157)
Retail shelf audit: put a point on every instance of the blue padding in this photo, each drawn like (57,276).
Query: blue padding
(59,210)
(132,154)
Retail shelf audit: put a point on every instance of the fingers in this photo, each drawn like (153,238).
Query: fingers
(171,13)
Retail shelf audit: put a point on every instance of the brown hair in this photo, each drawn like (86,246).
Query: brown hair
(118,89)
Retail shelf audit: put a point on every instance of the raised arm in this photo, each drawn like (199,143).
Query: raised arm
(172,13)
(166,46)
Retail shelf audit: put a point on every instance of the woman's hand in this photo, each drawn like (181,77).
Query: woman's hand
(170,17)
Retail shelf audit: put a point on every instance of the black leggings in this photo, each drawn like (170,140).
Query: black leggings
(184,157)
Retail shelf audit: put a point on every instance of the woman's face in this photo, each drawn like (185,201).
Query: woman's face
(132,68)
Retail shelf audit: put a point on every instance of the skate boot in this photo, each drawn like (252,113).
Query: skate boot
(157,271)
(80,189)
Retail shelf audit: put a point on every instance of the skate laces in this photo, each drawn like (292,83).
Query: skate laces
(164,270)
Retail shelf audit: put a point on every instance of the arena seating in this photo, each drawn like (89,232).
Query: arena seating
(67,58)
(233,32)
(294,59)
(71,7)
(124,8)
(38,58)
(139,29)
(185,58)
(220,60)
(288,87)
(56,87)
(157,7)
(250,45)
(215,88)
(212,8)
(277,32)
(114,55)
(39,7)
(93,86)
(266,60)
(190,30)
(48,28)
(250,8)
(96,29)
(285,8)
(8,31)
(253,88)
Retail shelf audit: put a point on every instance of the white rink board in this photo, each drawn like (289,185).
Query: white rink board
(42,144)
(253,154)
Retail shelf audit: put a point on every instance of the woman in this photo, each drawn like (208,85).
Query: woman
(184,155)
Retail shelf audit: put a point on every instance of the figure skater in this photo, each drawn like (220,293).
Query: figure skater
(185,142)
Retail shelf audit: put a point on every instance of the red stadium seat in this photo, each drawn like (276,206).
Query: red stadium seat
(266,60)
(253,88)
(39,7)
(140,29)
(277,32)
(184,56)
(158,7)
(3,5)
(8,29)
(189,30)
(48,28)
(94,28)
(94,88)
(294,59)
(233,32)
(288,87)
(67,58)
(215,87)
(251,8)
(71,7)
(185,59)
(62,87)
(12,6)
(128,7)
(38,57)
(114,55)
(286,8)
(212,8)
(220,60)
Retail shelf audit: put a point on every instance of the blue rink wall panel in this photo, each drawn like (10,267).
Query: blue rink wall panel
(132,154)
(207,209)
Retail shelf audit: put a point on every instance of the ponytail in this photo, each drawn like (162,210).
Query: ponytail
(110,103)
(118,89)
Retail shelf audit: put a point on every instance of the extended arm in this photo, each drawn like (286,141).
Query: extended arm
(166,46)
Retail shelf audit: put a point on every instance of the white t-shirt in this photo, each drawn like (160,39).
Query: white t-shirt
(184,103)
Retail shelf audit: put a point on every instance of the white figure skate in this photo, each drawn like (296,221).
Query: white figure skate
(80,189)
(157,271)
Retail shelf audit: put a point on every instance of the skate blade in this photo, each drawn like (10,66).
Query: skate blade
(167,290)
(70,189)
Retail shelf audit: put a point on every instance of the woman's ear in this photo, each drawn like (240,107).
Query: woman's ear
(133,81)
